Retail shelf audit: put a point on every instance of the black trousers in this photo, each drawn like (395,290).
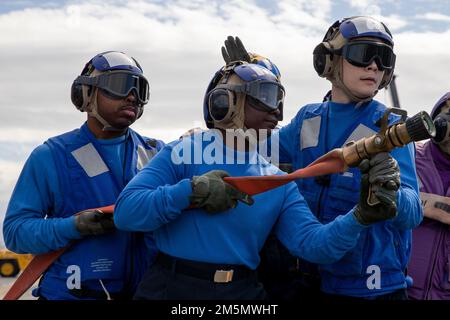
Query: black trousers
(161,283)
(396,295)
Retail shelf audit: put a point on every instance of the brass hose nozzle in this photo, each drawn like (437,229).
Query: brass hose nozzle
(417,128)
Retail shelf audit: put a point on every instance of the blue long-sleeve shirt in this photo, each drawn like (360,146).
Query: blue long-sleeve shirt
(36,194)
(319,128)
(157,200)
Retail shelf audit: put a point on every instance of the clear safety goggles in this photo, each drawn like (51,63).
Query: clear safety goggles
(119,84)
(363,53)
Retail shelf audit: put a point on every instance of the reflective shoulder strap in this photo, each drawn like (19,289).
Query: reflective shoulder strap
(144,156)
(90,160)
(309,134)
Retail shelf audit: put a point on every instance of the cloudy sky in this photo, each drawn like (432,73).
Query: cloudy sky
(45,44)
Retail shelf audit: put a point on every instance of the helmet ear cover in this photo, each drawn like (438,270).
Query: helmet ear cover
(76,95)
(206,110)
(79,91)
(79,94)
(323,53)
(221,104)
(323,59)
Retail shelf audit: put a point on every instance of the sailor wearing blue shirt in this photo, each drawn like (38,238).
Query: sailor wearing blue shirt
(356,56)
(82,169)
(208,236)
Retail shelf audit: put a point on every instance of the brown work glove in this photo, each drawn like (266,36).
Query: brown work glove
(94,222)
(382,173)
(212,193)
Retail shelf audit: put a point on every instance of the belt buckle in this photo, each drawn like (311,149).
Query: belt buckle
(223,276)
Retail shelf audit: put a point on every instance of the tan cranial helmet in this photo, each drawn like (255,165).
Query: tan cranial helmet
(350,38)
(114,73)
(232,86)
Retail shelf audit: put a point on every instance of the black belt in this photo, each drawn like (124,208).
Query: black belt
(220,273)
(400,294)
(98,295)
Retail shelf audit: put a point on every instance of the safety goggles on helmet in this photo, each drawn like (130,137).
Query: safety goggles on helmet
(270,94)
(119,84)
(363,53)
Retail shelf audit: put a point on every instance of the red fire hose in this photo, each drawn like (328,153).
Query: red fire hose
(328,164)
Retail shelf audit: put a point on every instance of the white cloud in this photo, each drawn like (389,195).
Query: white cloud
(360,4)
(394,22)
(425,44)
(434,16)
(366,7)
(374,9)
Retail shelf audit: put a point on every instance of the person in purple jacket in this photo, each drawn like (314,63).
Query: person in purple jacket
(430,258)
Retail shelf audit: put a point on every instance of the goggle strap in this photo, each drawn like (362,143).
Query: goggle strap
(90,81)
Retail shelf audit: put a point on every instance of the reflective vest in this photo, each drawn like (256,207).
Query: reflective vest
(381,244)
(85,181)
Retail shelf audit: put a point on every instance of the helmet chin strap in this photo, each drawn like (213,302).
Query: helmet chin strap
(93,107)
(338,82)
(236,124)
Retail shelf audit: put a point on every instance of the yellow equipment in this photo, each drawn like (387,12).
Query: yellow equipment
(11,263)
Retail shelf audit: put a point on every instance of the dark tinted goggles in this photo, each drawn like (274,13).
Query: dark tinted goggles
(120,84)
(269,94)
(363,53)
